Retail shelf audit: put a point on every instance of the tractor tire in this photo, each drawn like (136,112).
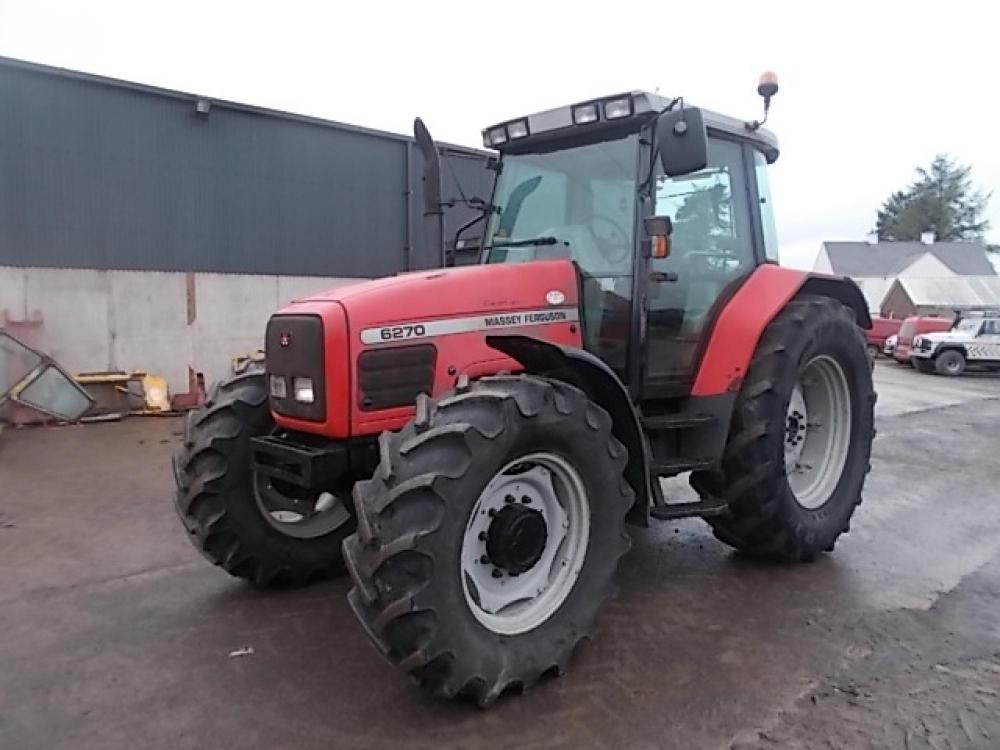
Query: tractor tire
(793,514)
(950,362)
(417,591)
(216,495)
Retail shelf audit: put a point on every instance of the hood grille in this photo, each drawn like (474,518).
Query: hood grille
(395,376)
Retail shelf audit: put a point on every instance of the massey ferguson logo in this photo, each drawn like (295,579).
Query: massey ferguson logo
(285,339)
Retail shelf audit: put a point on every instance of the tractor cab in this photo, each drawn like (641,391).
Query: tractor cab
(665,209)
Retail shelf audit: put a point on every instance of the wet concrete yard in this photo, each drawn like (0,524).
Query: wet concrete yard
(115,633)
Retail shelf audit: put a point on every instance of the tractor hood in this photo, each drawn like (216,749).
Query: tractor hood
(370,348)
(469,289)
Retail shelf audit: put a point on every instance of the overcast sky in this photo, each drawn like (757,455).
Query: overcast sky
(869,90)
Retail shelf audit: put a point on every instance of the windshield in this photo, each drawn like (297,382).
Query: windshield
(576,203)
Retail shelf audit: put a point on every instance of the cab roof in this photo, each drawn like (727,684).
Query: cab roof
(555,124)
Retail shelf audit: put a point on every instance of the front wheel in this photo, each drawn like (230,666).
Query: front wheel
(489,535)
(251,526)
(950,362)
(800,438)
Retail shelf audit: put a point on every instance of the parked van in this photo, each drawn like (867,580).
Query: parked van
(913,326)
(882,328)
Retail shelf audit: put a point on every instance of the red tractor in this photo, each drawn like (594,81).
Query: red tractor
(471,443)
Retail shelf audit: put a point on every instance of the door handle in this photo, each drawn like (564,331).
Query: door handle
(661,277)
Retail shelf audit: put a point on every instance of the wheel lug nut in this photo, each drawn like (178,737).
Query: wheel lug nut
(525,499)
(482,536)
(509,499)
(485,559)
(492,512)
(497,573)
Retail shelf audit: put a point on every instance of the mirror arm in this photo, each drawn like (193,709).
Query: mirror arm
(645,187)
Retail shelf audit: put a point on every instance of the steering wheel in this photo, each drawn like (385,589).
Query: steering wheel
(616,249)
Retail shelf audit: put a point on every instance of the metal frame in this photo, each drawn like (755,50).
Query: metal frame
(44,363)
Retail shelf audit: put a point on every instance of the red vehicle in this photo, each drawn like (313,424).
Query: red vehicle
(471,443)
(913,326)
(882,328)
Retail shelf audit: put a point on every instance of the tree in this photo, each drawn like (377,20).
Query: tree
(942,200)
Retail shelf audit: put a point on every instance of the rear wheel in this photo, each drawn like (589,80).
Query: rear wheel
(800,438)
(251,526)
(950,362)
(489,535)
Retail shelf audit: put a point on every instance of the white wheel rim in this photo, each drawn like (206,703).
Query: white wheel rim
(817,432)
(309,517)
(513,604)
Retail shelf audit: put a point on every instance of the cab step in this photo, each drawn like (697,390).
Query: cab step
(686,510)
(670,467)
(662,422)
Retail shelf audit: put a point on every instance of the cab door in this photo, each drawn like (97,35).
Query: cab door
(716,244)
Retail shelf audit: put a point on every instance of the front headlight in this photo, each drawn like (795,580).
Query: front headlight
(302,388)
(615,109)
(278,387)
(496,136)
(517,129)
(585,113)
(918,342)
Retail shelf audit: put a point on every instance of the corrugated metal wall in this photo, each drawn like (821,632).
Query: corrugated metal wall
(103,174)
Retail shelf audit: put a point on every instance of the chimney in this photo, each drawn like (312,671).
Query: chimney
(927,238)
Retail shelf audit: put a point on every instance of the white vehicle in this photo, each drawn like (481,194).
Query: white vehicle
(890,345)
(973,341)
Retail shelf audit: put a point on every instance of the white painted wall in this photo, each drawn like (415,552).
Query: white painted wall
(137,320)
(874,288)
(926,266)
(822,264)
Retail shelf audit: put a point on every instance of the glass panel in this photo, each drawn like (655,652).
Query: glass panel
(16,361)
(607,319)
(711,247)
(56,393)
(581,200)
(766,207)
(576,203)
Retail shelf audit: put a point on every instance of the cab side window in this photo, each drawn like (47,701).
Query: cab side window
(710,214)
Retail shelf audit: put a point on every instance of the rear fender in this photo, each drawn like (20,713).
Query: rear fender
(842,289)
(733,339)
(604,387)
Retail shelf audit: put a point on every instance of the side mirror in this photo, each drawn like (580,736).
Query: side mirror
(682,141)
